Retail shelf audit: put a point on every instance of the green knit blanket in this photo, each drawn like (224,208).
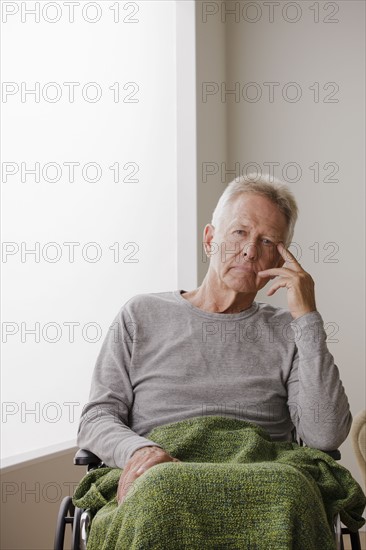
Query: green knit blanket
(234,489)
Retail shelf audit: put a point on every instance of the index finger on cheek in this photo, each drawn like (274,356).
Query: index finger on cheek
(285,253)
(281,248)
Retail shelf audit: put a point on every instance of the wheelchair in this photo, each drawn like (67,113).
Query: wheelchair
(80,520)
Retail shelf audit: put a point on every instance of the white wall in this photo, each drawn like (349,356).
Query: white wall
(31,495)
(53,378)
(211,121)
(187,144)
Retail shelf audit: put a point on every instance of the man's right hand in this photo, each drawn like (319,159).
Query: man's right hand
(140,461)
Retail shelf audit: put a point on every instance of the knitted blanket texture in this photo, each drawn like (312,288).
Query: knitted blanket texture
(234,489)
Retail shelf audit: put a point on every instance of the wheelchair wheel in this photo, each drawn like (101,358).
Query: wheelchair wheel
(65,516)
(354,537)
(76,529)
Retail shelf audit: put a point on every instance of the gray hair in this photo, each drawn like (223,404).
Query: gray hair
(265,185)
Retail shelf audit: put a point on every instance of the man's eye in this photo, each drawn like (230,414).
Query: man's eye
(239,231)
(267,242)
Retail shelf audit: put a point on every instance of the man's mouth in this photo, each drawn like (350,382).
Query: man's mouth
(243,269)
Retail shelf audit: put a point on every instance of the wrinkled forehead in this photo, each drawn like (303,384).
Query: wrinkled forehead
(256,212)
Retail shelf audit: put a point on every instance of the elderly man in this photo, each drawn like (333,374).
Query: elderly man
(214,350)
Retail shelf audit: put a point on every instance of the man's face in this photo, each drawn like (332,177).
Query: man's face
(245,242)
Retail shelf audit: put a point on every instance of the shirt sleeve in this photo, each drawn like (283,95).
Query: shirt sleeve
(317,401)
(103,427)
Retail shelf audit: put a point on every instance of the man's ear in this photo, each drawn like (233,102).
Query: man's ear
(208,235)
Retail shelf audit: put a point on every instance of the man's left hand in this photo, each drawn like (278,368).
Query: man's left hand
(299,284)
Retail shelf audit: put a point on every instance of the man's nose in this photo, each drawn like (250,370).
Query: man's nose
(250,251)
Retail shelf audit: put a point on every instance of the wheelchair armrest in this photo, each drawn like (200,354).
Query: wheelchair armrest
(86,458)
(336,454)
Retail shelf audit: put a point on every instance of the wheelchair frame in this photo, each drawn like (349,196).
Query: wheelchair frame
(80,519)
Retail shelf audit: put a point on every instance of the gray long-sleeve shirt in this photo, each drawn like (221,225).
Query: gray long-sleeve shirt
(164,360)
